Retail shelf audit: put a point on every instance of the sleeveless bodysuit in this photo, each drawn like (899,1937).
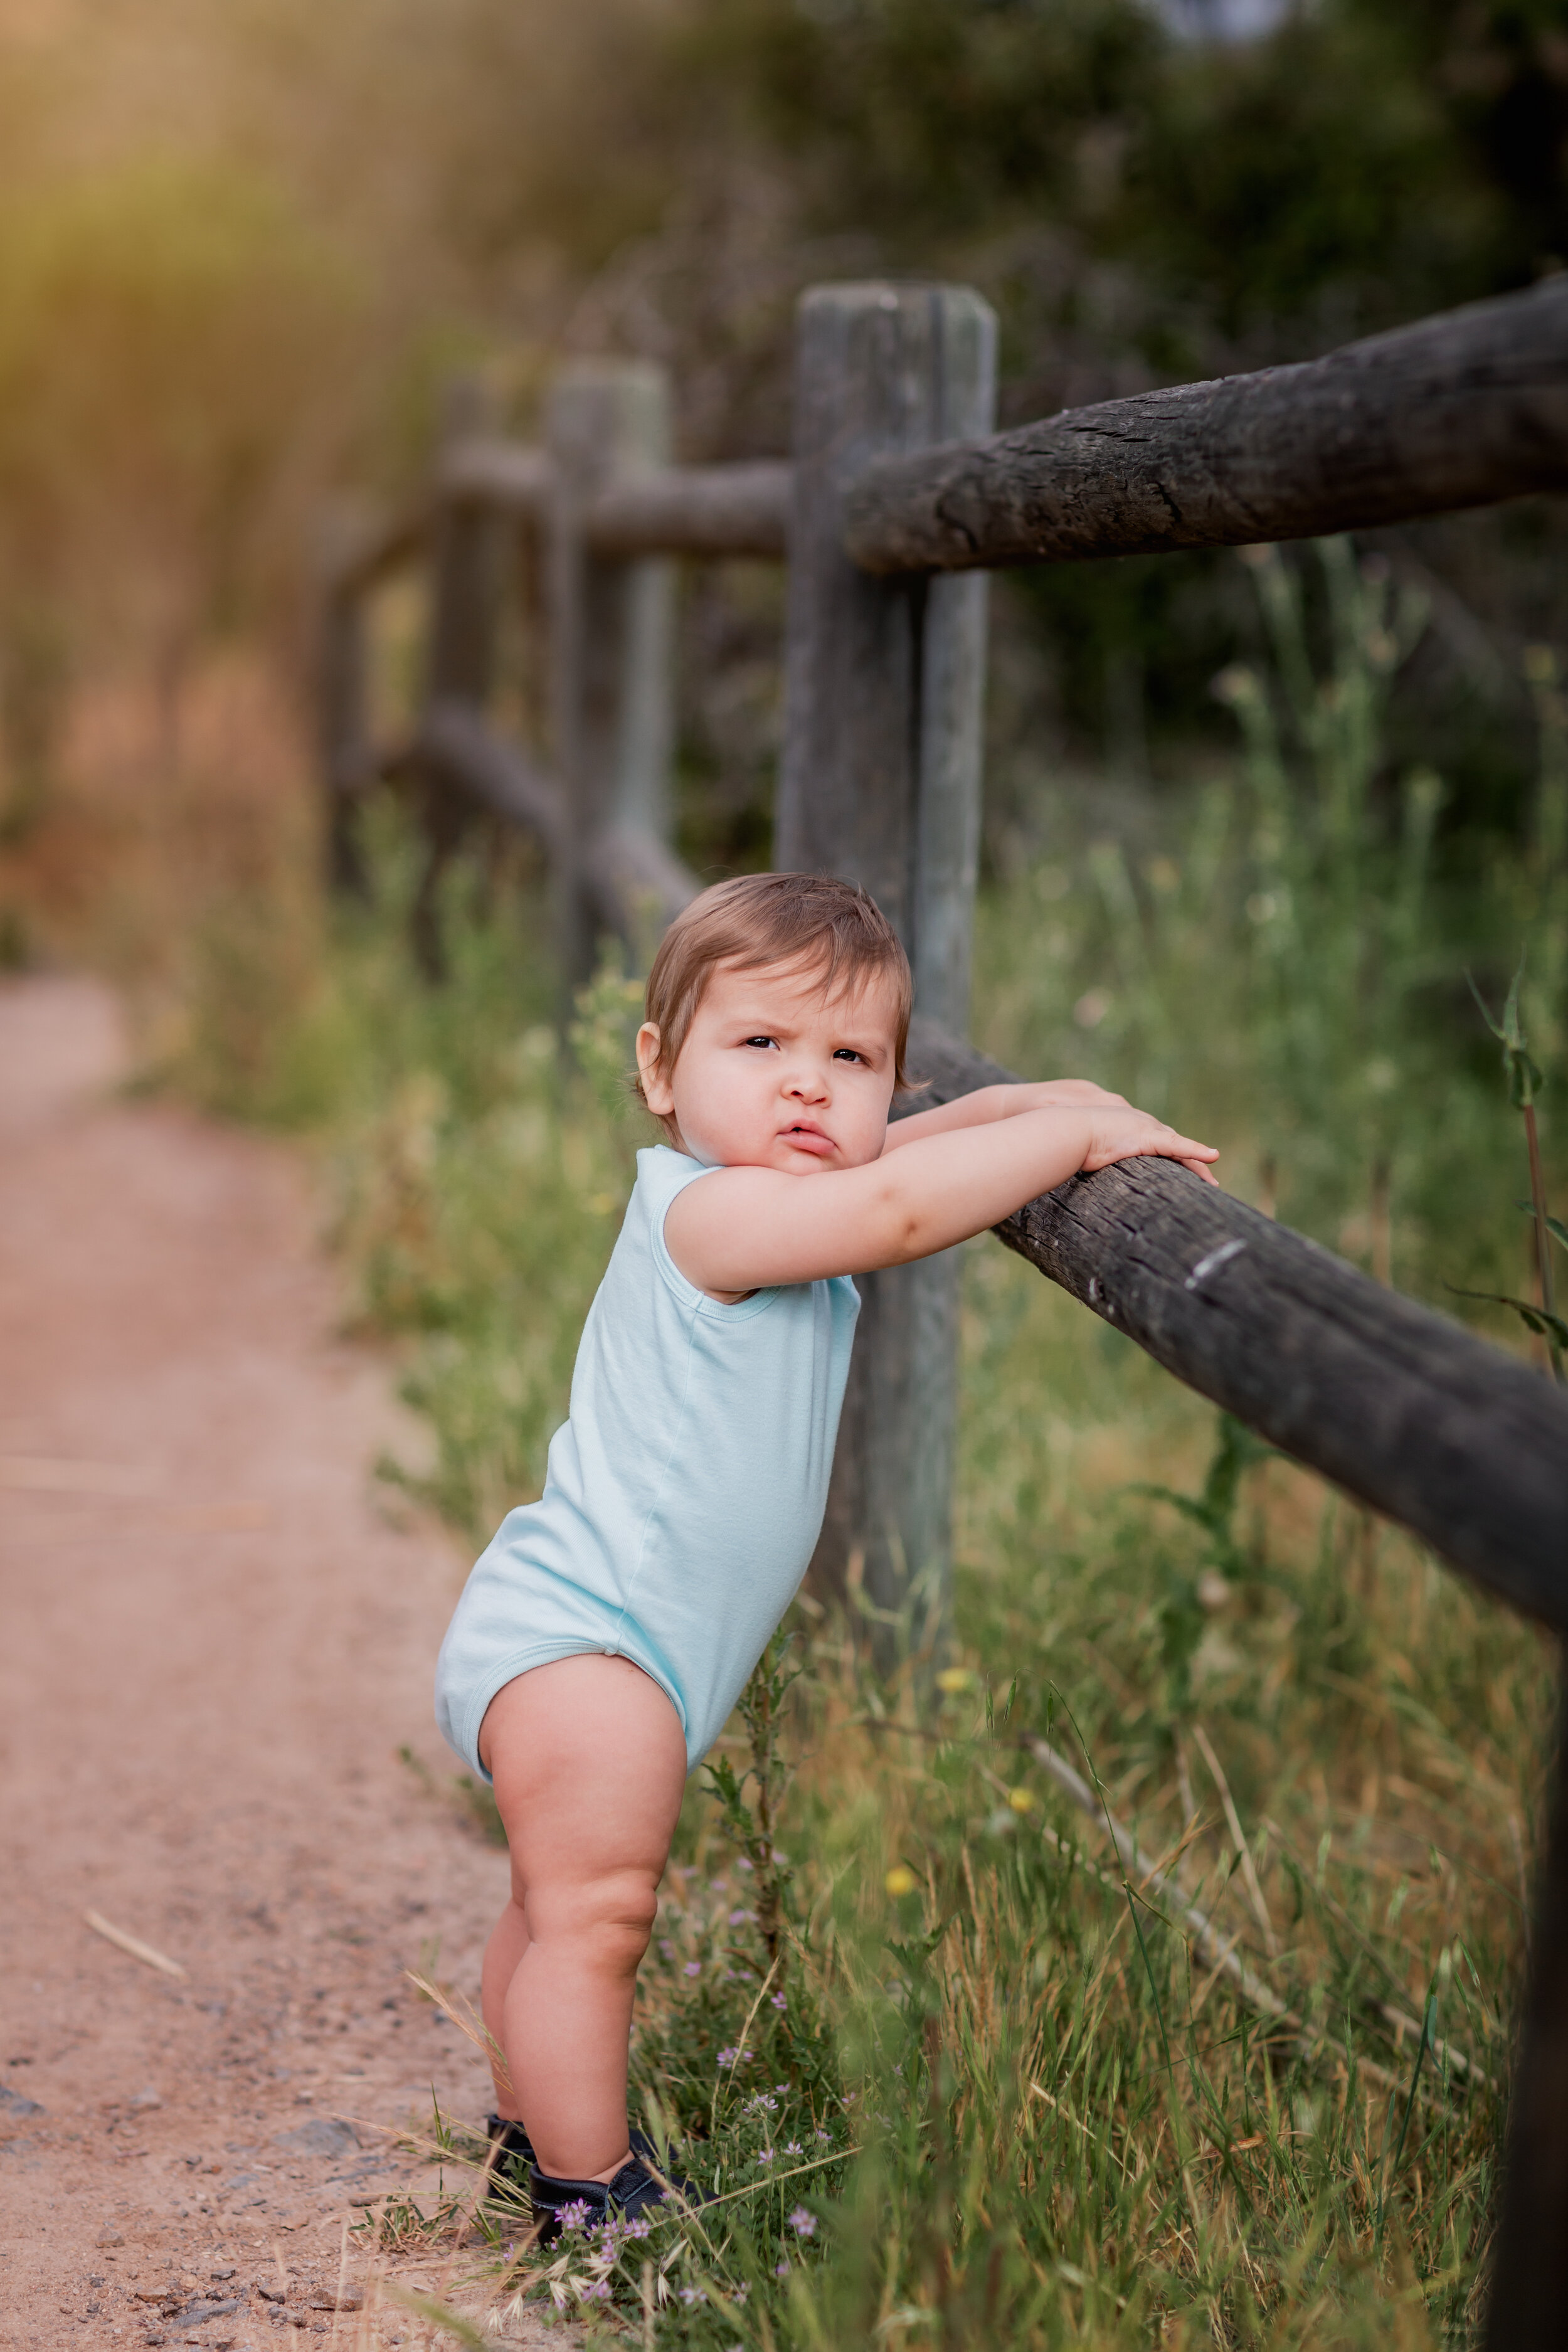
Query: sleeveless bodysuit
(683,1497)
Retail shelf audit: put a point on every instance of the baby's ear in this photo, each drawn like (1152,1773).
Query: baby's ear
(653,1082)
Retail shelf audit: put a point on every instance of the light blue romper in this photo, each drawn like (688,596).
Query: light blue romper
(683,1498)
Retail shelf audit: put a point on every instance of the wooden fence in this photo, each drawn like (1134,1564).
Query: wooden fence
(896,500)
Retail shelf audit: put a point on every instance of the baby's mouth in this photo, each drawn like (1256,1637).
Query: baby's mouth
(806,1137)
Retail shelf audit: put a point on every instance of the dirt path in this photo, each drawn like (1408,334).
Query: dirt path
(211,1644)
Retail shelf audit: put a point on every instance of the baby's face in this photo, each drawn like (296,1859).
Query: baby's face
(773,1075)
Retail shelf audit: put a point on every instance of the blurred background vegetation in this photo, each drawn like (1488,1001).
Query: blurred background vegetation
(1248,822)
(241,248)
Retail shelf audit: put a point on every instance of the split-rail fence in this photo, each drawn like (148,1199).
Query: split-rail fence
(898,499)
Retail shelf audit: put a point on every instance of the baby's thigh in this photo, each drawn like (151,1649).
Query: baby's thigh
(589,1763)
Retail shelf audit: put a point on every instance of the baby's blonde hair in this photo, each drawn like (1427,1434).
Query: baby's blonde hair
(761,919)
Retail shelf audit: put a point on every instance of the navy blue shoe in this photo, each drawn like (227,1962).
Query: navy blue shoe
(509,2141)
(511,2163)
(586,2204)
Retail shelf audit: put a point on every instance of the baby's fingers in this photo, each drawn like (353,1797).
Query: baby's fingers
(1188,1150)
(1149,1139)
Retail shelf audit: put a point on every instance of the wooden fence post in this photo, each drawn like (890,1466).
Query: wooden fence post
(343,728)
(880,780)
(465,608)
(1526,2300)
(611,631)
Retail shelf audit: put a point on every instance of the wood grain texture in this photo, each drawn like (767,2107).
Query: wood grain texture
(1398,1406)
(881,781)
(1459,410)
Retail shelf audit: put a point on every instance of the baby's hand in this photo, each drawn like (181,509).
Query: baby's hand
(1070,1094)
(1127,1134)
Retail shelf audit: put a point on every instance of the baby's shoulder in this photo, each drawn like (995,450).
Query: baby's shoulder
(662,1173)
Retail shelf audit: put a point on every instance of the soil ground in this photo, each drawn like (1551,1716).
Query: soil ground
(213,1640)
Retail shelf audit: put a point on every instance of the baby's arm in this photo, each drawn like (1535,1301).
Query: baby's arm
(988,1103)
(744,1229)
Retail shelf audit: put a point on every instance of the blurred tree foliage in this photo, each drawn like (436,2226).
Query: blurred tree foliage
(1359,159)
(238,247)
(167,330)
(172,342)
(1145,207)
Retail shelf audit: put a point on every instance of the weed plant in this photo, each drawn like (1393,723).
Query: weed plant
(956,2071)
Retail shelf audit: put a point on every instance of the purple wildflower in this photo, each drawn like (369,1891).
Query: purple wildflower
(694,1968)
(574,2216)
(739,1919)
(780,2270)
(802,2223)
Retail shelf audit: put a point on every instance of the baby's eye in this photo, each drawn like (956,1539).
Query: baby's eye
(846,1053)
(758,1041)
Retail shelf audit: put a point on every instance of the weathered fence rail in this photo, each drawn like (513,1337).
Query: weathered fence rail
(1456,411)
(696,511)
(1401,1408)
(897,484)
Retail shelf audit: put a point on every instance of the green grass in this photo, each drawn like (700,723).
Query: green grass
(1050,2117)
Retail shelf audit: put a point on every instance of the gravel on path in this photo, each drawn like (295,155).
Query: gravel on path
(214,1639)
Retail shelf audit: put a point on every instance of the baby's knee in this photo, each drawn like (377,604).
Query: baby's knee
(615,1911)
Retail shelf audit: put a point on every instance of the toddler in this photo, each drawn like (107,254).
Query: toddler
(605,1634)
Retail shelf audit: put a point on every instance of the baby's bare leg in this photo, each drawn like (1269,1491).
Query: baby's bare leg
(589,1763)
(503,1953)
